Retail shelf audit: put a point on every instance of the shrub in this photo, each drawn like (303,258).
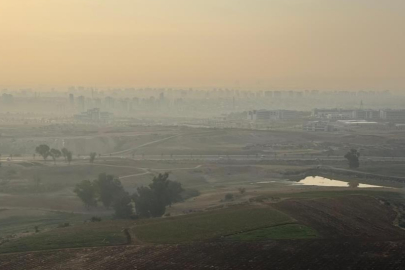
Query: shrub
(229,197)
(95,219)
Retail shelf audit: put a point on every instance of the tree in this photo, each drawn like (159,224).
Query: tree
(86,192)
(152,201)
(108,188)
(69,157)
(92,156)
(123,206)
(174,190)
(147,204)
(353,157)
(65,152)
(43,150)
(167,191)
(55,153)
(242,190)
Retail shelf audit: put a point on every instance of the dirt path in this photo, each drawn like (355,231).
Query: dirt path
(143,145)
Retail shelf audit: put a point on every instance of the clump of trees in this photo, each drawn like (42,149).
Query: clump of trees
(106,189)
(45,151)
(353,157)
(86,191)
(150,201)
(55,153)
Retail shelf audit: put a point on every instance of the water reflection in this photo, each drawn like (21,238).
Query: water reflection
(325,182)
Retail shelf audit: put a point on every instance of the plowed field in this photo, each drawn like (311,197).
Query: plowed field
(313,254)
(360,217)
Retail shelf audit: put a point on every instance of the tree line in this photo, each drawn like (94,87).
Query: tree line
(146,202)
(45,151)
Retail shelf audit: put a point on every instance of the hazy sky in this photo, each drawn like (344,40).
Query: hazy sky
(286,44)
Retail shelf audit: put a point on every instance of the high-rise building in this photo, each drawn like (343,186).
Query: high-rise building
(71,100)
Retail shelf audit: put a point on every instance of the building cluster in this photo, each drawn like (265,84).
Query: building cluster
(94,115)
(185,104)
(318,126)
(268,115)
(340,119)
(360,114)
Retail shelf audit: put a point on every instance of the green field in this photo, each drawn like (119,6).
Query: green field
(235,223)
(182,229)
(14,221)
(287,231)
(208,225)
(95,234)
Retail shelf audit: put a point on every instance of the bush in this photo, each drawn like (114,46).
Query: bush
(95,219)
(64,225)
(229,197)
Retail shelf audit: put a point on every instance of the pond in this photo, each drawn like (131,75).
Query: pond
(325,182)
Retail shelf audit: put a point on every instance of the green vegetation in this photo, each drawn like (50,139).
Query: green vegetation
(353,157)
(208,225)
(107,187)
(14,221)
(108,190)
(181,229)
(228,197)
(69,157)
(152,201)
(55,154)
(92,157)
(287,231)
(86,191)
(91,234)
(43,150)
(149,201)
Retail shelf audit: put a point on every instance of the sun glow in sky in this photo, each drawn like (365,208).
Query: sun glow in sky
(283,44)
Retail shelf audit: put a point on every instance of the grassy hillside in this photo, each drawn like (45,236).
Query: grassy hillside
(188,228)
(209,225)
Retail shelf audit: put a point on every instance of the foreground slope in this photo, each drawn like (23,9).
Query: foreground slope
(333,232)
(289,254)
